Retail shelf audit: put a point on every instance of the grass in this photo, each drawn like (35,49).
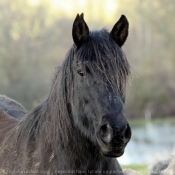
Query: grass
(142,169)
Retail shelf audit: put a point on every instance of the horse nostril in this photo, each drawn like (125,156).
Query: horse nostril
(105,133)
(127,132)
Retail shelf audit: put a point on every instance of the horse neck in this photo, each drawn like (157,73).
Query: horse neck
(71,144)
(81,153)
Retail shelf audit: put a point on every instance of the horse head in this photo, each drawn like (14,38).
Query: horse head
(100,72)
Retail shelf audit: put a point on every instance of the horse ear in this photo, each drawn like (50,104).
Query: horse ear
(120,31)
(80,30)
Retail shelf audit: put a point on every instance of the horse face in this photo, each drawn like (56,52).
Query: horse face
(97,106)
(98,113)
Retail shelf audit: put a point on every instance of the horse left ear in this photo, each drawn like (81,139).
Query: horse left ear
(120,31)
(80,30)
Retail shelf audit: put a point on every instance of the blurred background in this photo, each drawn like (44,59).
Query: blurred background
(35,36)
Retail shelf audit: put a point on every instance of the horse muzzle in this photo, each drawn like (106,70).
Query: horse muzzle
(112,139)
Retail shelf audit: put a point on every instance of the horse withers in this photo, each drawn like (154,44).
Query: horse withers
(80,128)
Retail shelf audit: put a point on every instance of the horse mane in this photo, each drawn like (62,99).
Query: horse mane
(50,124)
(7,122)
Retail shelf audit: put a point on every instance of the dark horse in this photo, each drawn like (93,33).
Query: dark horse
(80,128)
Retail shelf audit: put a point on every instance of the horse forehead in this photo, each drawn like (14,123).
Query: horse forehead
(99,33)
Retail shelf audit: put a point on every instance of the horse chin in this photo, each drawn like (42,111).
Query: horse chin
(113,153)
(110,150)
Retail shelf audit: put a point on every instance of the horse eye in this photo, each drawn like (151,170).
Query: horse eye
(80,72)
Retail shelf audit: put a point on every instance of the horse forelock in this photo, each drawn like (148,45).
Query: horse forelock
(105,59)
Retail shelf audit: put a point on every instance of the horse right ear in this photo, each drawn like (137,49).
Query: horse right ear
(120,31)
(80,30)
